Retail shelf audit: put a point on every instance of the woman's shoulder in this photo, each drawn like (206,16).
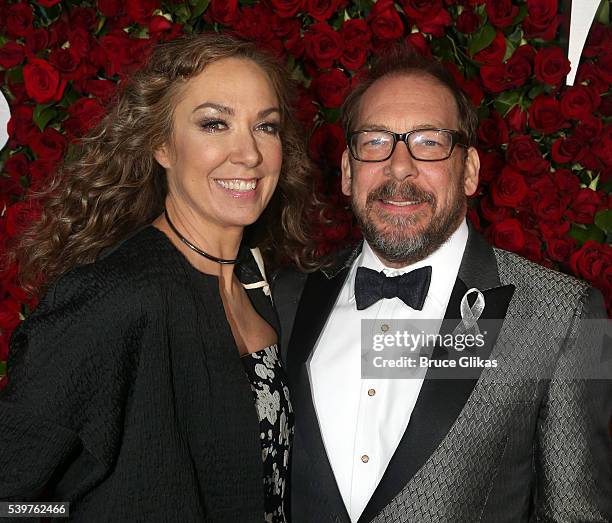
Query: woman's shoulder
(127,277)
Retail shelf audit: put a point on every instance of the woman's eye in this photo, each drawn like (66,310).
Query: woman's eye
(213,125)
(270,128)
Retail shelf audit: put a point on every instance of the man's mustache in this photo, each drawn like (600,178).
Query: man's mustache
(406,190)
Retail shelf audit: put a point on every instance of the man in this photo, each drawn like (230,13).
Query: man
(520,442)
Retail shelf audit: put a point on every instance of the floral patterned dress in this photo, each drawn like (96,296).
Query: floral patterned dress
(269,385)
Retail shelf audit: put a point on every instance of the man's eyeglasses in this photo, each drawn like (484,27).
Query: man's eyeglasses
(426,145)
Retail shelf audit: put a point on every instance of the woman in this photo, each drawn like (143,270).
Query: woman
(133,385)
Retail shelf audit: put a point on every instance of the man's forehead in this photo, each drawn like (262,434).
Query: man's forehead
(420,99)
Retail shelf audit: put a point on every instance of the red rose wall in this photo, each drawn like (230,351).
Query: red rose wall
(546,149)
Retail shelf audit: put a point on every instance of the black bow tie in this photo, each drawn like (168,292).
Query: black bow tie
(411,288)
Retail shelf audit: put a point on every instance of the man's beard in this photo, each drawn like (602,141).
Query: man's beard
(391,239)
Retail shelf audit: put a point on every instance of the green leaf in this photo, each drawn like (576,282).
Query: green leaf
(2,368)
(521,15)
(331,115)
(481,39)
(536,90)
(583,233)
(603,220)
(199,6)
(510,48)
(506,101)
(516,36)
(603,12)
(43,114)
(594,181)
(182,14)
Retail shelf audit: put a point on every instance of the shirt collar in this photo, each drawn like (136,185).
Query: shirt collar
(444,262)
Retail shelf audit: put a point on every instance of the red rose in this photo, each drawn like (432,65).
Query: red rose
(494,53)
(545,115)
(140,11)
(305,110)
(589,128)
(419,42)
(103,89)
(494,78)
(421,9)
(287,8)
(37,40)
(66,59)
(589,261)
(493,132)
(223,11)
(565,150)
(18,216)
(321,10)
(327,145)
(42,81)
(579,102)
(9,314)
(49,145)
(331,87)
(560,249)
(549,208)
(567,182)
(524,155)
(501,13)
(491,164)
(111,7)
(605,107)
(11,54)
(516,119)
(598,40)
(85,113)
(21,126)
(85,18)
(604,64)
(437,25)
(323,45)
(532,250)
(551,65)
(542,20)
(509,189)
(356,32)
(17,166)
(353,58)
(80,42)
(554,229)
(40,173)
(468,21)
(18,19)
(116,45)
(384,21)
(518,68)
(491,212)
(584,205)
(508,234)
(602,147)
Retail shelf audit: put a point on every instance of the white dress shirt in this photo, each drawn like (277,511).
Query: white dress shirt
(363,420)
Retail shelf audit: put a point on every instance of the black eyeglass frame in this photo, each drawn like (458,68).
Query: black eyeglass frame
(457,138)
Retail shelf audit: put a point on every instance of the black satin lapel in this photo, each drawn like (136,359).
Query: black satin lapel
(312,479)
(318,298)
(441,399)
(263,306)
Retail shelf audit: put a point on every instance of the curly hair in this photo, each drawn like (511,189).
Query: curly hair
(111,185)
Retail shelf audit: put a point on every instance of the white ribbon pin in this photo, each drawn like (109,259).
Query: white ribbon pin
(470,315)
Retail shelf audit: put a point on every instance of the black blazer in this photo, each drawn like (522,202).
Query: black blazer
(127,397)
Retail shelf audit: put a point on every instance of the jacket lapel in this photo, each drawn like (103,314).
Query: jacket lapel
(444,394)
(311,471)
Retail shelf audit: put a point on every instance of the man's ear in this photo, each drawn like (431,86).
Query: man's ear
(346,173)
(472,168)
(162,155)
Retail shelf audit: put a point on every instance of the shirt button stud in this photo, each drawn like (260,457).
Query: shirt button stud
(384,327)
(371,392)
(365,458)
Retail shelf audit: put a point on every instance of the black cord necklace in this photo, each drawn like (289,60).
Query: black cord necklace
(194,248)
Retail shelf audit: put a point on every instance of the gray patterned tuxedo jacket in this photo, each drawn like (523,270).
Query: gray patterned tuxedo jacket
(499,447)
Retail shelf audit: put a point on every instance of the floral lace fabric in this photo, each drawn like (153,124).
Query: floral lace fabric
(269,386)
